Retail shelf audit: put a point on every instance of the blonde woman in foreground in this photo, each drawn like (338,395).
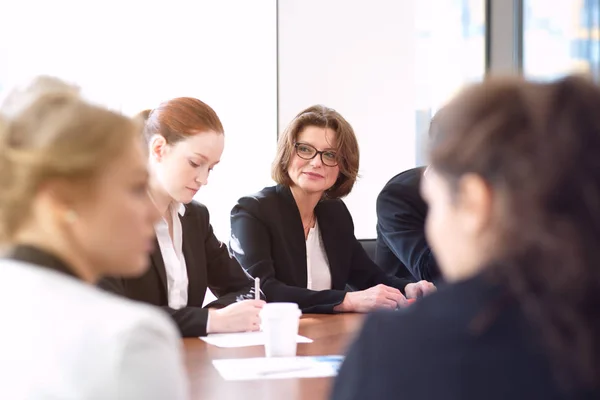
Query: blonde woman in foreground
(73,208)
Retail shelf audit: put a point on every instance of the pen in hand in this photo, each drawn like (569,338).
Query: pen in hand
(257,288)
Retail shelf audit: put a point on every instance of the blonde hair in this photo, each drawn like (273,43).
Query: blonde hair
(23,95)
(50,132)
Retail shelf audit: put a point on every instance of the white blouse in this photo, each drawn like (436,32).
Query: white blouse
(172,254)
(318,273)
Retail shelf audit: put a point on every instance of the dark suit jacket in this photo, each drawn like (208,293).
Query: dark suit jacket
(268,241)
(468,341)
(402,248)
(208,265)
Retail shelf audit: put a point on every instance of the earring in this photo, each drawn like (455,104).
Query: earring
(70,216)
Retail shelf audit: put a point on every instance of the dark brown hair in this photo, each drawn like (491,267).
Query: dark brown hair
(181,117)
(346,148)
(537,146)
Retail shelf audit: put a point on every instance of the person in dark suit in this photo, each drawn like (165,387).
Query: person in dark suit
(401,248)
(185,138)
(513,191)
(298,236)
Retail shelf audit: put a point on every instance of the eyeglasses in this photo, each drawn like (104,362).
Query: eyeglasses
(308,152)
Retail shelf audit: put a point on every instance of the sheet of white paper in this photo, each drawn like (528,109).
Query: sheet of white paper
(243,369)
(243,339)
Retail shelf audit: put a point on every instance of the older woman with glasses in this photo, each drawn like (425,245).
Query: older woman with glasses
(298,236)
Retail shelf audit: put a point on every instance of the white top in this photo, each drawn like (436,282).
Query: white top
(318,273)
(64,339)
(172,254)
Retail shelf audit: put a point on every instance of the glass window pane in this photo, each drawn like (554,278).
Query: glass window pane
(386,75)
(560,38)
(450,53)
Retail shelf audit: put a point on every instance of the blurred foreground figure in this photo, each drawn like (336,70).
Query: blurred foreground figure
(513,191)
(73,208)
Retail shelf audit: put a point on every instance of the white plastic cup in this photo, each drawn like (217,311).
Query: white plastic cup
(280,323)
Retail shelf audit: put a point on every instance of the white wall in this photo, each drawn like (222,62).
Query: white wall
(357,57)
(130,55)
(375,61)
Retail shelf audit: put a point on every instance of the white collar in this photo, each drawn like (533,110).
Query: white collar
(180,207)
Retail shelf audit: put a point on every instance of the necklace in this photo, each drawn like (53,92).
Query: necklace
(309,225)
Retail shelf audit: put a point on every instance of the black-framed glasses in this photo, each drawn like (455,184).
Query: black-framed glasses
(308,152)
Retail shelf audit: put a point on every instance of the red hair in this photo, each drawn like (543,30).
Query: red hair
(179,118)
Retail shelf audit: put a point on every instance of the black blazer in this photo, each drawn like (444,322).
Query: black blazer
(208,265)
(268,241)
(401,248)
(468,341)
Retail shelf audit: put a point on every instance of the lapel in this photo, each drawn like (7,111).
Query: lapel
(295,230)
(159,265)
(327,227)
(189,232)
(190,236)
(331,239)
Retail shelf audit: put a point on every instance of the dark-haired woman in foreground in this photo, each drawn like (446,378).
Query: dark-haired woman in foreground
(514,220)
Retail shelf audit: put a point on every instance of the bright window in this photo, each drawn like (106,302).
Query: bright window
(560,38)
(386,66)
(387,74)
(130,55)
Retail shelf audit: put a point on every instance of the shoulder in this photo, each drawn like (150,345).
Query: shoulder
(402,192)
(196,217)
(407,180)
(411,338)
(106,315)
(267,194)
(335,213)
(195,208)
(77,329)
(437,322)
(334,206)
(267,198)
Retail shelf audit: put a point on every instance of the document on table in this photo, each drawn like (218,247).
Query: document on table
(243,369)
(243,339)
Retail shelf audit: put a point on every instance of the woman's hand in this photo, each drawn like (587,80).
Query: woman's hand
(377,297)
(419,289)
(242,316)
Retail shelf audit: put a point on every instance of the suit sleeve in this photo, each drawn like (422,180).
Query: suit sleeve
(402,229)
(364,273)
(226,277)
(251,245)
(191,321)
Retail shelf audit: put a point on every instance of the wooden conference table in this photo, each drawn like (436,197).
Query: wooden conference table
(331,335)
